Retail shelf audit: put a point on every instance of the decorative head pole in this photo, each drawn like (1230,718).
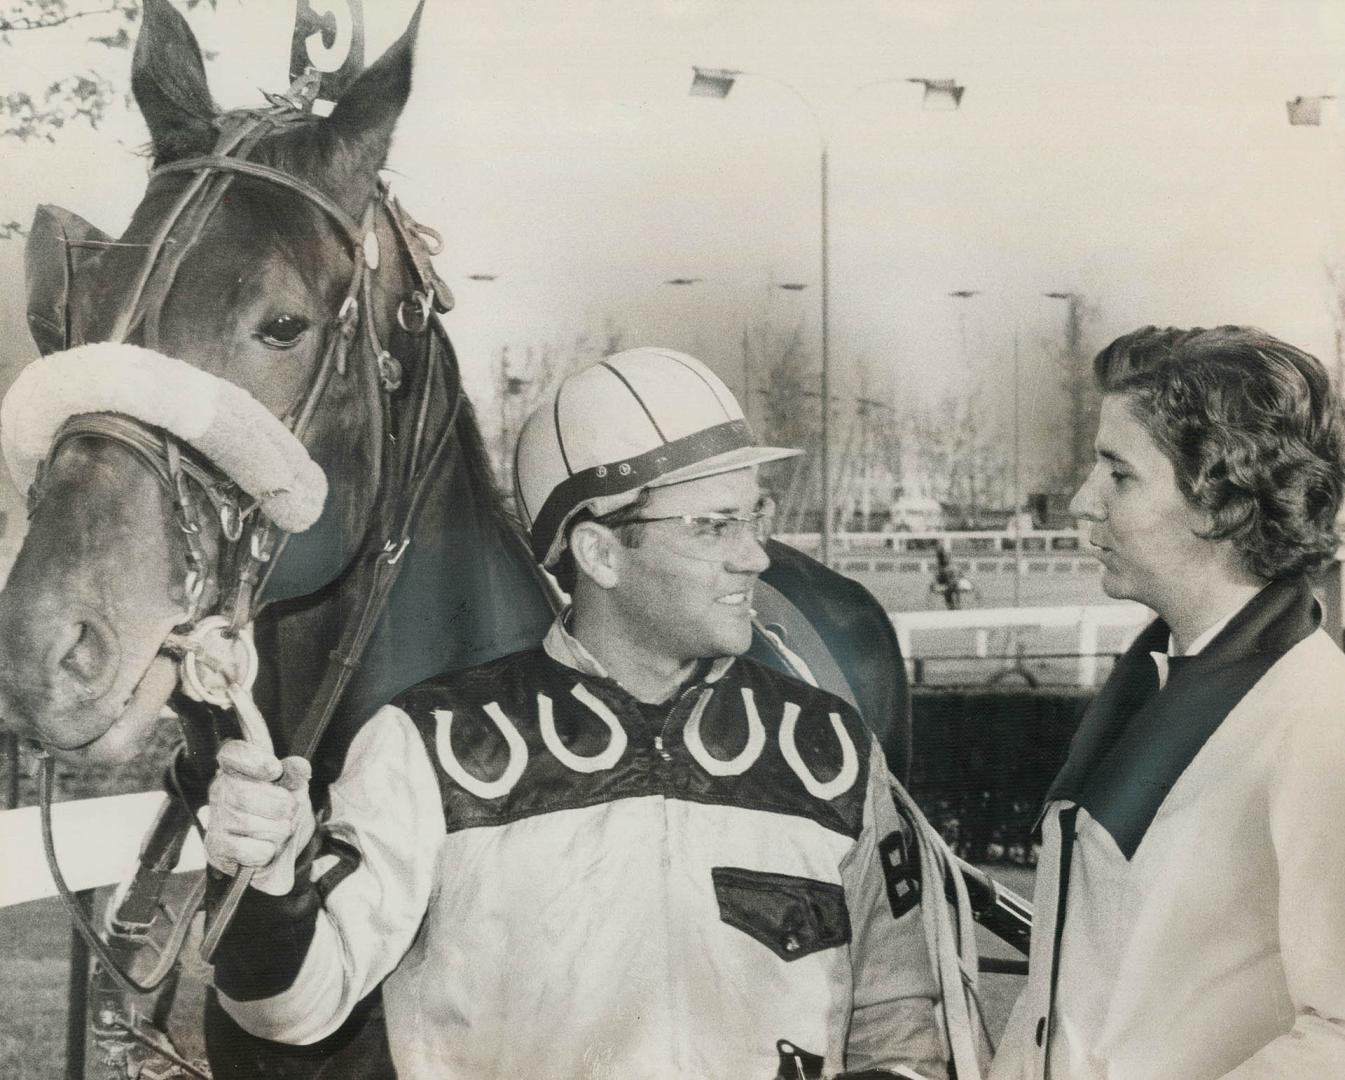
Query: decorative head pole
(329,40)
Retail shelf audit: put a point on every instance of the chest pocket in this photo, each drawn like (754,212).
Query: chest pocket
(791,916)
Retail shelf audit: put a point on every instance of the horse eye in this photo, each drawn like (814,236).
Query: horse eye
(284,331)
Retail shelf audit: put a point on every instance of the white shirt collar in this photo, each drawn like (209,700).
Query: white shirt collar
(564,648)
(1197,646)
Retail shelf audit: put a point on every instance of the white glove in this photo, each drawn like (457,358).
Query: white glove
(260,815)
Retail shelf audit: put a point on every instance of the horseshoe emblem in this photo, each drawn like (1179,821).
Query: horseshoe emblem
(482,789)
(843,780)
(580,763)
(745,758)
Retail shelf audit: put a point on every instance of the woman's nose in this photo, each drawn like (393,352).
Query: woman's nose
(1086,503)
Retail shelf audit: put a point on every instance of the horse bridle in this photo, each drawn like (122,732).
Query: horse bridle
(179,471)
(249,541)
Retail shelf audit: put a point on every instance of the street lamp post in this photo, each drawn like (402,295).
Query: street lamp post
(944,94)
(1077,386)
(963,294)
(1017,482)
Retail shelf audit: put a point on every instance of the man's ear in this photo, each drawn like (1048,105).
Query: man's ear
(596,552)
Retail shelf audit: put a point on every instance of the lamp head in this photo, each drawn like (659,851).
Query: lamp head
(941,94)
(712,82)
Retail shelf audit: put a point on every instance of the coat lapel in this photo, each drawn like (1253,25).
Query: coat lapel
(1134,741)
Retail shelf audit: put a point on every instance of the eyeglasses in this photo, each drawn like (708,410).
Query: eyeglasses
(710,536)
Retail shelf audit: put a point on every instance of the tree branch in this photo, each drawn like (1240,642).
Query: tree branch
(45,22)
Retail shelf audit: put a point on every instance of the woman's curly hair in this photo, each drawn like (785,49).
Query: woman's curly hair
(1255,434)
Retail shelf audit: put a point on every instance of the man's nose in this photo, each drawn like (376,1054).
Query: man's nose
(749,556)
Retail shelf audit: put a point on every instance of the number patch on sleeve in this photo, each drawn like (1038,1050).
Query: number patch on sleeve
(900,857)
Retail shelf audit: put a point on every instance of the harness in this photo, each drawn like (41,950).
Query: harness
(217,661)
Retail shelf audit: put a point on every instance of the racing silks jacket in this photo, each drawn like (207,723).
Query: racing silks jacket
(552,879)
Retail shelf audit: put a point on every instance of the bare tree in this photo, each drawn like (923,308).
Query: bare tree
(784,371)
(80,96)
(870,470)
(966,466)
(1073,356)
(527,374)
(45,14)
(780,377)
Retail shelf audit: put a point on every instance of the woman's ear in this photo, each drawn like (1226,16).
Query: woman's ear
(596,552)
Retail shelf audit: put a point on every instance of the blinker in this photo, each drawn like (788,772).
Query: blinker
(57,242)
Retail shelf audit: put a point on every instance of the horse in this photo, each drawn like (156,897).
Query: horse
(268,260)
(267,254)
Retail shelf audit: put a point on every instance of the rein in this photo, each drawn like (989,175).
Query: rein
(251,543)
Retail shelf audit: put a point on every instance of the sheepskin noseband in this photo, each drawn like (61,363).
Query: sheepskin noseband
(225,423)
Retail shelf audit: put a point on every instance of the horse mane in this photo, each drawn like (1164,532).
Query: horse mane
(473,458)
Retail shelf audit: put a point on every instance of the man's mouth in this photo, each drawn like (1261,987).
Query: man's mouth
(737,599)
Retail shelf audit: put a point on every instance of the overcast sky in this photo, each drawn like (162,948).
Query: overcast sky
(1136,152)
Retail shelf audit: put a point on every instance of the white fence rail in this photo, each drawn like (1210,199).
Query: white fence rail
(97,842)
(1083,620)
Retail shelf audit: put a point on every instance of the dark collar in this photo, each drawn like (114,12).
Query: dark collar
(1135,741)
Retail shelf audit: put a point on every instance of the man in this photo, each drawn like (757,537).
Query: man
(1190,897)
(629,853)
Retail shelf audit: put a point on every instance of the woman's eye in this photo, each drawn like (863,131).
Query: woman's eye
(284,331)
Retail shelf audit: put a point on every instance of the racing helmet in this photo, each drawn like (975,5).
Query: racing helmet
(641,418)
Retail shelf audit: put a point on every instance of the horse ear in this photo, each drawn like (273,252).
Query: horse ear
(169,84)
(359,130)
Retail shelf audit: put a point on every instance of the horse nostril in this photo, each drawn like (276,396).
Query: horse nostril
(87,657)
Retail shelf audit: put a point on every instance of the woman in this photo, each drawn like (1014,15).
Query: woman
(1190,897)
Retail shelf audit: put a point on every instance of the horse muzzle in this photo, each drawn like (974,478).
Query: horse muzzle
(66,682)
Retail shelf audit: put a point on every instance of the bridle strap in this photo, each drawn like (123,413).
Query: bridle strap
(218,162)
(386,565)
(177,468)
(122,328)
(169,953)
(148,444)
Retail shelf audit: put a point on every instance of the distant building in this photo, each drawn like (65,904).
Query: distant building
(914,513)
(977,518)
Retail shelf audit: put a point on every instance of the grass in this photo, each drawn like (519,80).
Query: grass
(35,938)
(35,941)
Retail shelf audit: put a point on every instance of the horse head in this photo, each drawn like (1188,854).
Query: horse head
(264,258)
